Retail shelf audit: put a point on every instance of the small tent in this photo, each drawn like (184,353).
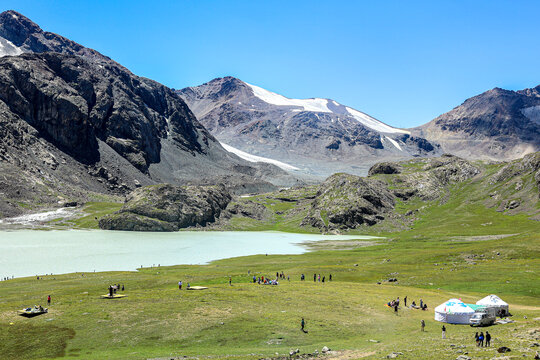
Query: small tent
(493,301)
(453,311)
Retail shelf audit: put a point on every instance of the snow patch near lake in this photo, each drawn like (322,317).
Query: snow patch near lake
(254,158)
(39,218)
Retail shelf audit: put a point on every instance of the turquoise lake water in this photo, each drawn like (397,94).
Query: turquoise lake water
(34,252)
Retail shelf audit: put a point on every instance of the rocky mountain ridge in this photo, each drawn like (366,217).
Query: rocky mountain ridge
(75,124)
(19,34)
(497,125)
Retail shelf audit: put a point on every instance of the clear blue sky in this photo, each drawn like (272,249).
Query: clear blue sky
(404,62)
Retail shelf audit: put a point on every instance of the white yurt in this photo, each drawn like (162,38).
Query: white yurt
(493,301)
(454,311)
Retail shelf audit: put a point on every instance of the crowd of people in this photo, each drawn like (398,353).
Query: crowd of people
(395,303)
(262,280)
(265,280)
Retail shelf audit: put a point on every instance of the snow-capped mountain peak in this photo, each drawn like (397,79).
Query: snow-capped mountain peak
(317,135)
(325,106)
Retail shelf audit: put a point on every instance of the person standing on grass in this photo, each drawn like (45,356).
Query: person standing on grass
(180,285)
(230,281)
(314,277)
(395,308)
(49,300)
(481,339)
(423,324)
(443,332)
(323,279)
(330,277)
(405,301)
(303,324)
(476,338)
(488,339)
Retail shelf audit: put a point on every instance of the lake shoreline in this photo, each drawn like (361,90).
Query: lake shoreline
(76,251)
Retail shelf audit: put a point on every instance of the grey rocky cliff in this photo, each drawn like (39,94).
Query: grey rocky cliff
(167,207)
(73,102)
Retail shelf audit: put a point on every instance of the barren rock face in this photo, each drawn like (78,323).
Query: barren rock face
(27,36)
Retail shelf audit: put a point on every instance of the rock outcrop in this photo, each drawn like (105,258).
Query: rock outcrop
(346,201)
(167,207)
(384,168)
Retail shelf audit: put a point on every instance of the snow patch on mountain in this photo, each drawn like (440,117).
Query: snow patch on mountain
(316,104)
(394,142)
(8,48)
(254,158)
(373,123)
(321,105)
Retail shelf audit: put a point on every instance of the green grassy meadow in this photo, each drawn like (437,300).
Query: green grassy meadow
(247,320)
(457,246)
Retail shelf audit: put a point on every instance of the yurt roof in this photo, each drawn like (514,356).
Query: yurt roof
(491,300)
(455,306)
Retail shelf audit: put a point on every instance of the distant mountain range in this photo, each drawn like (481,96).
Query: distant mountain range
(321,136)
(76,125)
(318,136)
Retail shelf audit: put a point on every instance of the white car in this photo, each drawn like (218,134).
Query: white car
(482,319)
